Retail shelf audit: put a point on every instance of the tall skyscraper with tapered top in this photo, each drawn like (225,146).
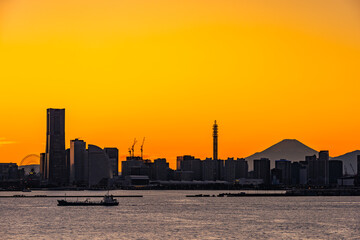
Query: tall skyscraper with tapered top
(215,141)
(56,171)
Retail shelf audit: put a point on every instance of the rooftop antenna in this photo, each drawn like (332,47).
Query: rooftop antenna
(141,148)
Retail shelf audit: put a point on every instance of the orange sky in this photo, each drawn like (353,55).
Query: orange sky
(265,70)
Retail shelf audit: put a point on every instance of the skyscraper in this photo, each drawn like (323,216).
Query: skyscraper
(262,170)
(323,172)
(78,162)
(318,169)
(335,171)
(285,167)
(113,154)
(99,166)
(56,171)
(215,141)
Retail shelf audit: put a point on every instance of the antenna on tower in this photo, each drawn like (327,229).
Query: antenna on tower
(141,148)
(215,141)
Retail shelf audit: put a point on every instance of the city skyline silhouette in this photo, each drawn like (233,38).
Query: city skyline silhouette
(158,119)
(266,72)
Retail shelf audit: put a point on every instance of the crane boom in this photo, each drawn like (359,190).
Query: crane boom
(141,148)
(133,147)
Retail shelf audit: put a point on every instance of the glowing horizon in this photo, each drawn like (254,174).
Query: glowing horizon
(166,70)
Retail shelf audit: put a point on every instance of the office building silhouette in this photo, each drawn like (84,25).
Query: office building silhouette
(335,171)
(113,154)
(55,160)
(285,167)
(78,162)
(262,170)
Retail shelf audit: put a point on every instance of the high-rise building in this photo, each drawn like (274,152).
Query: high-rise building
(276,176)
(295,173)
(134,165)
(318,169)
(262,170)
(79,165)
(235,169)
(190,163)
(208,170)
(230,170)
(161,168)
(215,141)
(285,167)
(323,172)
(358,165)
(113,154)
(220,169)
(56,171)
(335,171)
(99,166)
(241,168)
(67,157)
(312,170)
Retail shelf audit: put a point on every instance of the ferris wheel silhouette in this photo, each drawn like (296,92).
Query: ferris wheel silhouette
(30,160)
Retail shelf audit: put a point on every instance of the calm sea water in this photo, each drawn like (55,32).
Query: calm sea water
(170,215)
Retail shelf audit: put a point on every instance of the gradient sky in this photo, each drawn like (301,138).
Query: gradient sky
(265,70)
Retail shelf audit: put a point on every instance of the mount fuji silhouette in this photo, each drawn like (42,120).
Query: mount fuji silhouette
(289,149)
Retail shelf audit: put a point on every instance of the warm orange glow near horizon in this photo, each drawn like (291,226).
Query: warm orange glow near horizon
(165,70)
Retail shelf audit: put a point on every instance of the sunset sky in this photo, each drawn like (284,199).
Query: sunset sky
(165,70)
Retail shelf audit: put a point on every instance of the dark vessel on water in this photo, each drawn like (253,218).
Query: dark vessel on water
(107,201)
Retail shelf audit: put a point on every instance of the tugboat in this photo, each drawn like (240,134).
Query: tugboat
(108,200)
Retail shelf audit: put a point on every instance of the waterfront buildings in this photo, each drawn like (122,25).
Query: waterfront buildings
(8,171)
(235,169)
(94,166)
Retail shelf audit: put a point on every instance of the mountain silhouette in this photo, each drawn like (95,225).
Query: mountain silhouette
(289,149)
(349,161)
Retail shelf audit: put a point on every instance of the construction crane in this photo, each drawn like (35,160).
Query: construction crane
(141,148)
(133,146)
(129,150)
